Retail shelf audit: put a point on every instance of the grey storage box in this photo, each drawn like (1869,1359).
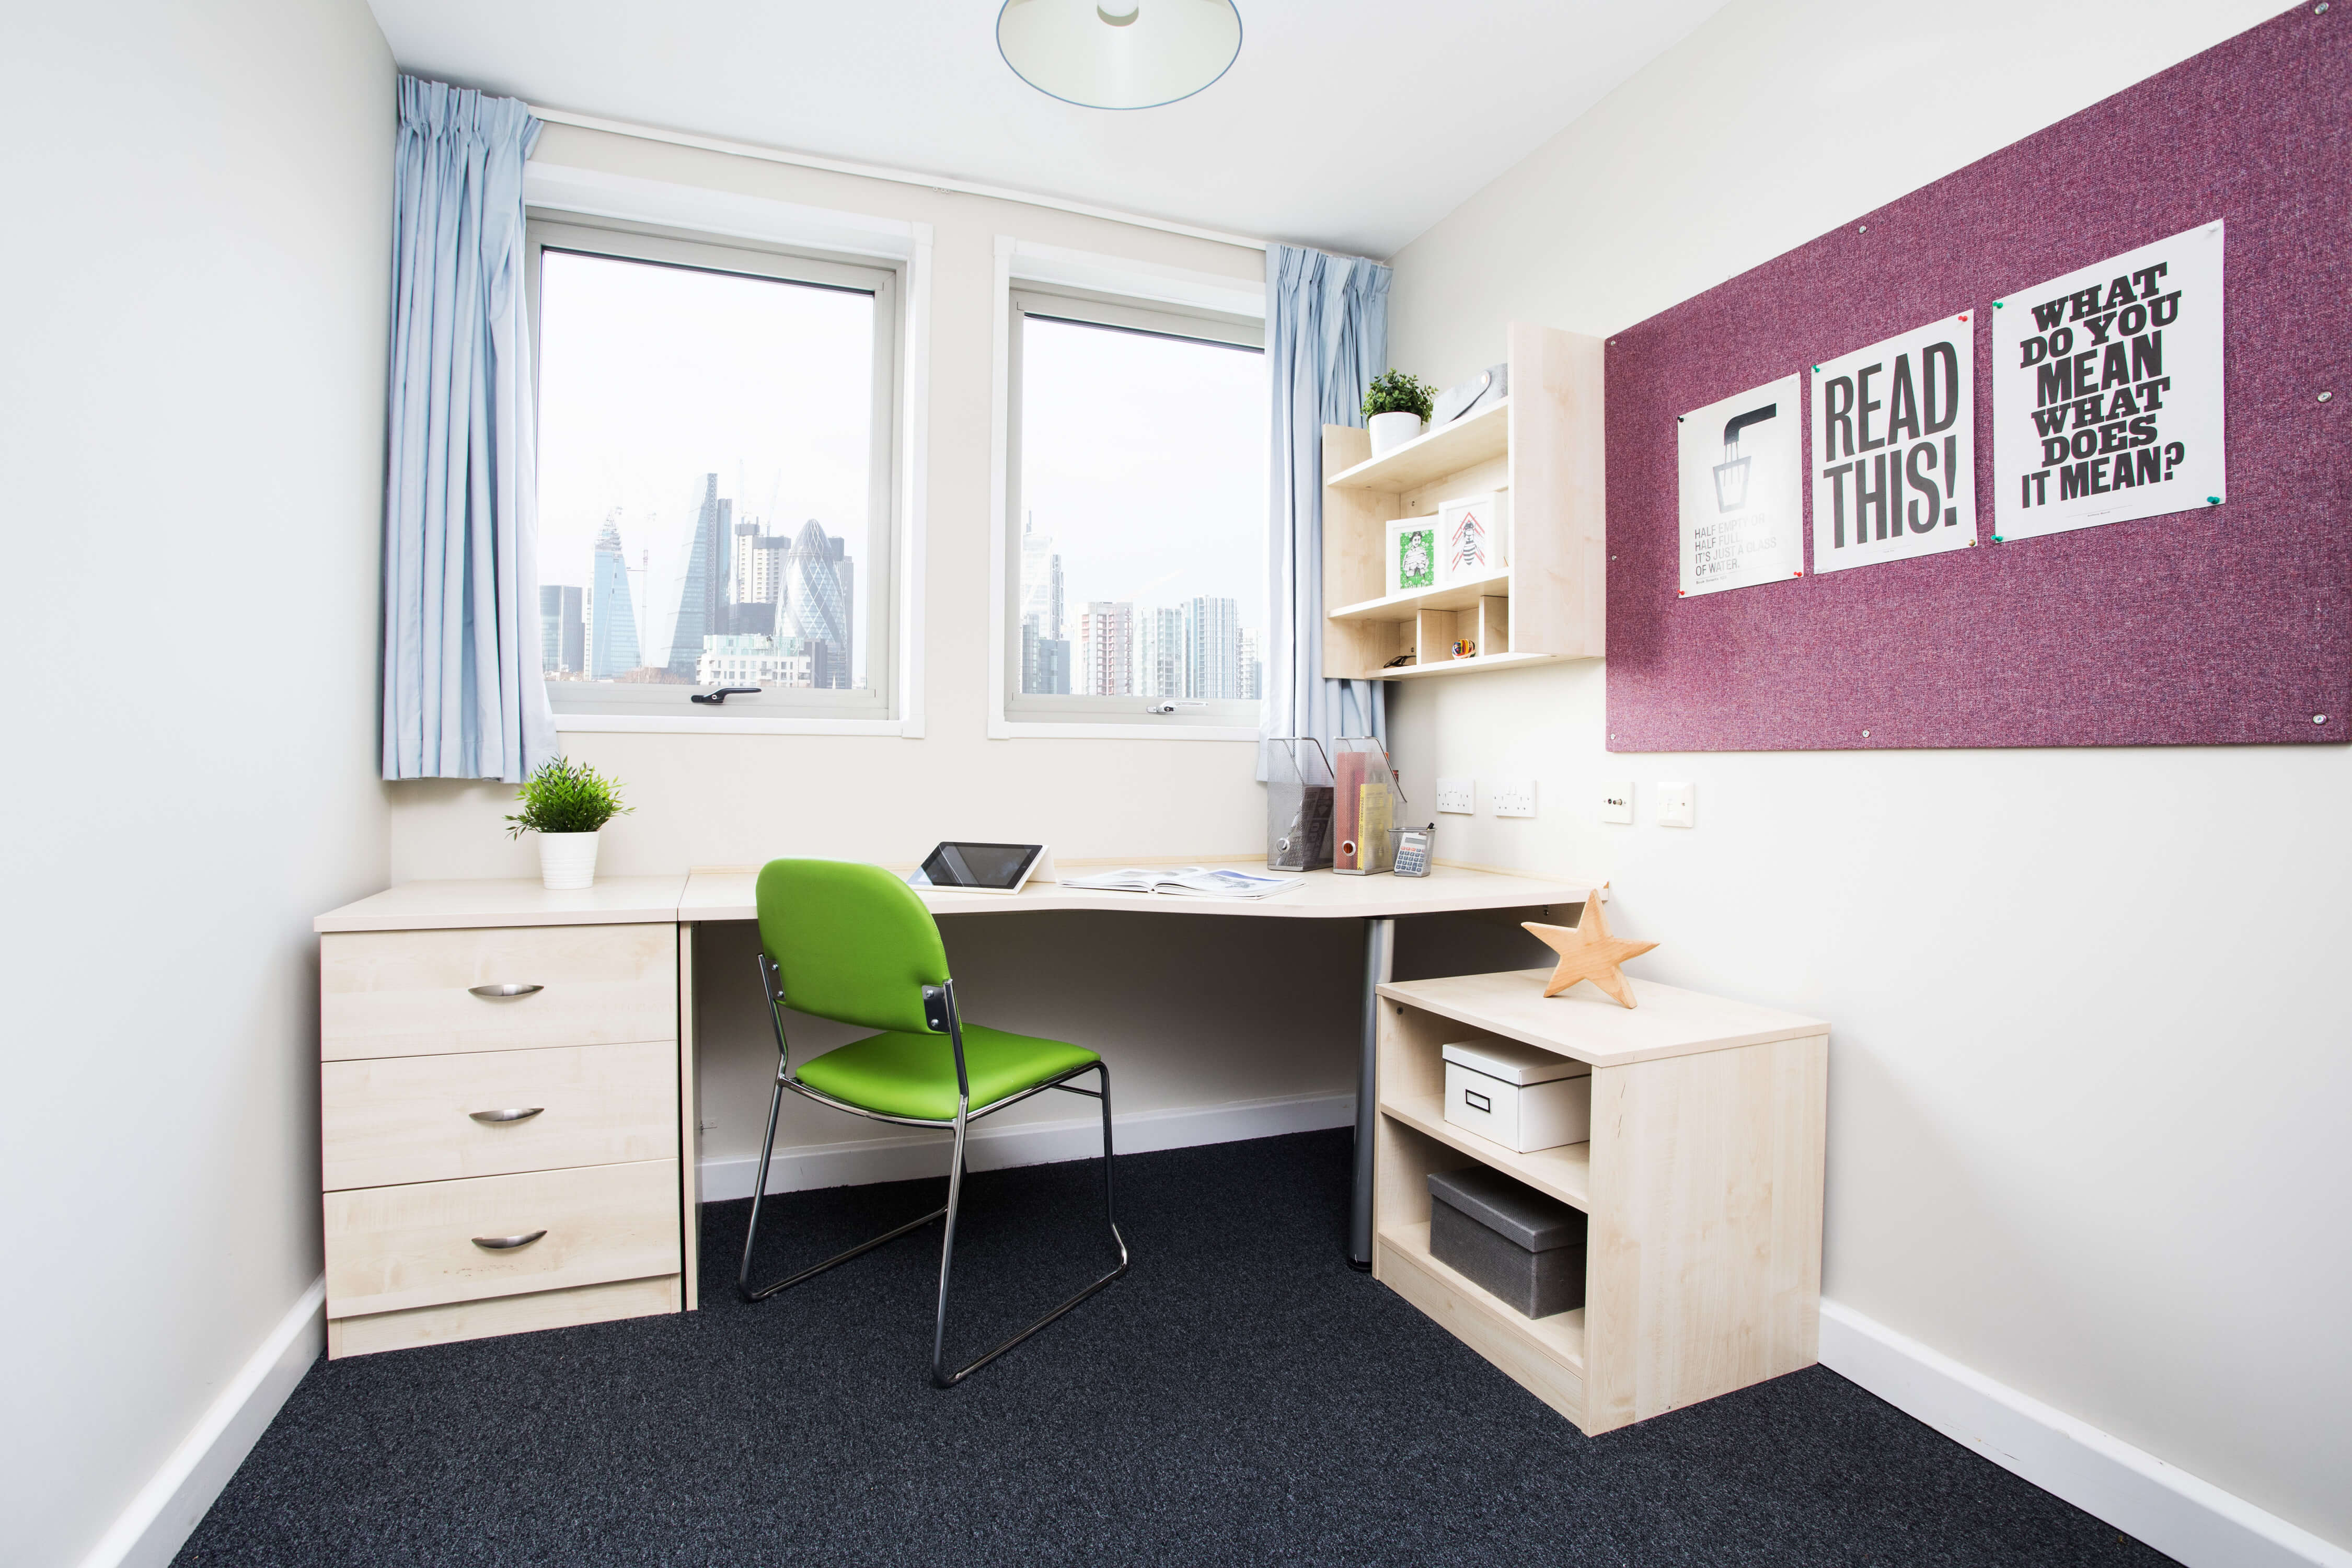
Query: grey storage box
(1507,1239)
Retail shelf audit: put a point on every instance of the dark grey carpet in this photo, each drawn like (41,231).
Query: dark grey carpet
(1241,1397)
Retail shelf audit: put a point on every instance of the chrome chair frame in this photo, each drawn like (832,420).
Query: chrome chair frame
(939,1011)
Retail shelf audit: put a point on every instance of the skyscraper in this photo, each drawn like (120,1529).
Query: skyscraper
(1159,653)
(1106,651)
(1213,649)
(818,604)
(701,588)
(562,639)
(1044,661)
(1041,580)
(613,636)
(1252,663)
(1044,636)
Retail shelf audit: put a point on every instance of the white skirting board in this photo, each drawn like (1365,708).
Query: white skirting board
(2166,1506)
(151,1531)
(904,1157)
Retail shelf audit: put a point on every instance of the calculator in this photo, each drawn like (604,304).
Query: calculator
(1412,850)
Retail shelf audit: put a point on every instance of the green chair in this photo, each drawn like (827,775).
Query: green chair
(854,944)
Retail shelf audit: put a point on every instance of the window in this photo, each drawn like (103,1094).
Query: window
(1137,566)
(714,496)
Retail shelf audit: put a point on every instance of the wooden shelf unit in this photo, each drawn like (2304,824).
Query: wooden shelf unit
(1702,1185)
(1544,444)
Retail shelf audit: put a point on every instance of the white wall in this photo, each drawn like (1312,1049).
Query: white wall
(2087,1091)
(715,799)
(190,424)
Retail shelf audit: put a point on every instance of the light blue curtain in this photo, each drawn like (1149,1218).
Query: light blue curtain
(463,692)
(1327,337)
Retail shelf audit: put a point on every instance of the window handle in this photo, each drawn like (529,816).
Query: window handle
(722,694)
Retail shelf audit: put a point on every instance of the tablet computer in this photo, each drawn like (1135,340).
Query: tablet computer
(983,868)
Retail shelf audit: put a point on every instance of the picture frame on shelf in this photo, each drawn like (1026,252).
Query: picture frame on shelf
(1412,563)
(1472,536)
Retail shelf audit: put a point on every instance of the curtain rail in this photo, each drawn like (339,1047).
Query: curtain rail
(877,171)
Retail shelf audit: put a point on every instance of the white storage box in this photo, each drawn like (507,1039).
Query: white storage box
(1522,1098)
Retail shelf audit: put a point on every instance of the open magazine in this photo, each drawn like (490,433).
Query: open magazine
(1188,881)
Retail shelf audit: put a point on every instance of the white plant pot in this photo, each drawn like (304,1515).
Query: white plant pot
(567,859)
(1393,430)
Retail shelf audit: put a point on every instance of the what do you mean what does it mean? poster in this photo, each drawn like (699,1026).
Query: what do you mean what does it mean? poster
(2107,391)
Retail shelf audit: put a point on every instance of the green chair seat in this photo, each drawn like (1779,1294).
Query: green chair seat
(914,1075)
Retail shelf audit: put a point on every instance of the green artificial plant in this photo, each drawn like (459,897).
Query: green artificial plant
(565,796)
(1393,392)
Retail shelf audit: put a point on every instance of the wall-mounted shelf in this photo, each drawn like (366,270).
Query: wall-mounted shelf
(1475,662)
(1462,596)
(1543,444)
(1477,438)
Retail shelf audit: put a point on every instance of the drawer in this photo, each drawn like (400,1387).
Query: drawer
(397,1120)
(389,1248)
(409,992)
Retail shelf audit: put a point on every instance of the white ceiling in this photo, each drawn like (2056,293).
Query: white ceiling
(1350,124)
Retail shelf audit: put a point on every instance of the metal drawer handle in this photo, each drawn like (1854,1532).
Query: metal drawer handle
(506,990)
(522,1113)
(502,1242)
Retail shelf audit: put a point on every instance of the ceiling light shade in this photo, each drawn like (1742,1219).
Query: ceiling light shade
(1118,54)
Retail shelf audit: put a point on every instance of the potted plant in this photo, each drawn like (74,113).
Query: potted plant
(1396,406)
(565,803)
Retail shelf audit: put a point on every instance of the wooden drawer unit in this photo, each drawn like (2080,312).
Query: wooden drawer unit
(399,1120)
(427,992)
(391,1249)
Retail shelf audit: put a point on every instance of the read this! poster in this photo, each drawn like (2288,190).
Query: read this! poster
(1742,491)
(2107,391)
(1895,466)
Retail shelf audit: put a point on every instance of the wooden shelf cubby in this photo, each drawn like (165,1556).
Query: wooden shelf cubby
(1543,443)
(1702,1183)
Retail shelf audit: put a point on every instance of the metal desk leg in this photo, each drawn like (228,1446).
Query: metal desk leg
(1379,959)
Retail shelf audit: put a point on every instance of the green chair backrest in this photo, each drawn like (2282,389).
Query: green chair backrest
(854,943)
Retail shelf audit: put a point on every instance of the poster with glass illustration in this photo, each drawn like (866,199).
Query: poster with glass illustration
(1894,461)
(1741,518)
(1473,534)
(1411,554)
(2107,391)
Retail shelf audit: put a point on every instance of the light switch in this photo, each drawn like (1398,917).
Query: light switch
(1677,805)
(1617,802)
(1514,797)
(1456,795)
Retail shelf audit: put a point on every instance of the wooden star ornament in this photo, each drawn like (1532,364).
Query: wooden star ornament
(1586,952)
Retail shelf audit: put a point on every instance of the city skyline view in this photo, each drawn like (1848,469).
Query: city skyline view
(705,447)
(1144,488)
(749,605)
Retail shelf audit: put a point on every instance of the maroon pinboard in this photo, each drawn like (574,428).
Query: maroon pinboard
(2231,623)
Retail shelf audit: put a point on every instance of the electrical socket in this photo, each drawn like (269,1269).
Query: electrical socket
(1514,797)
(1617,802)
(1677,805)
(1458,795)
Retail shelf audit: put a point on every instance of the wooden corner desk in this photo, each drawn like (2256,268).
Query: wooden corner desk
(496,1162)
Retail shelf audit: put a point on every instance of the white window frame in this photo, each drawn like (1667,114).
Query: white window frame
(788,239)
(1104,291)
